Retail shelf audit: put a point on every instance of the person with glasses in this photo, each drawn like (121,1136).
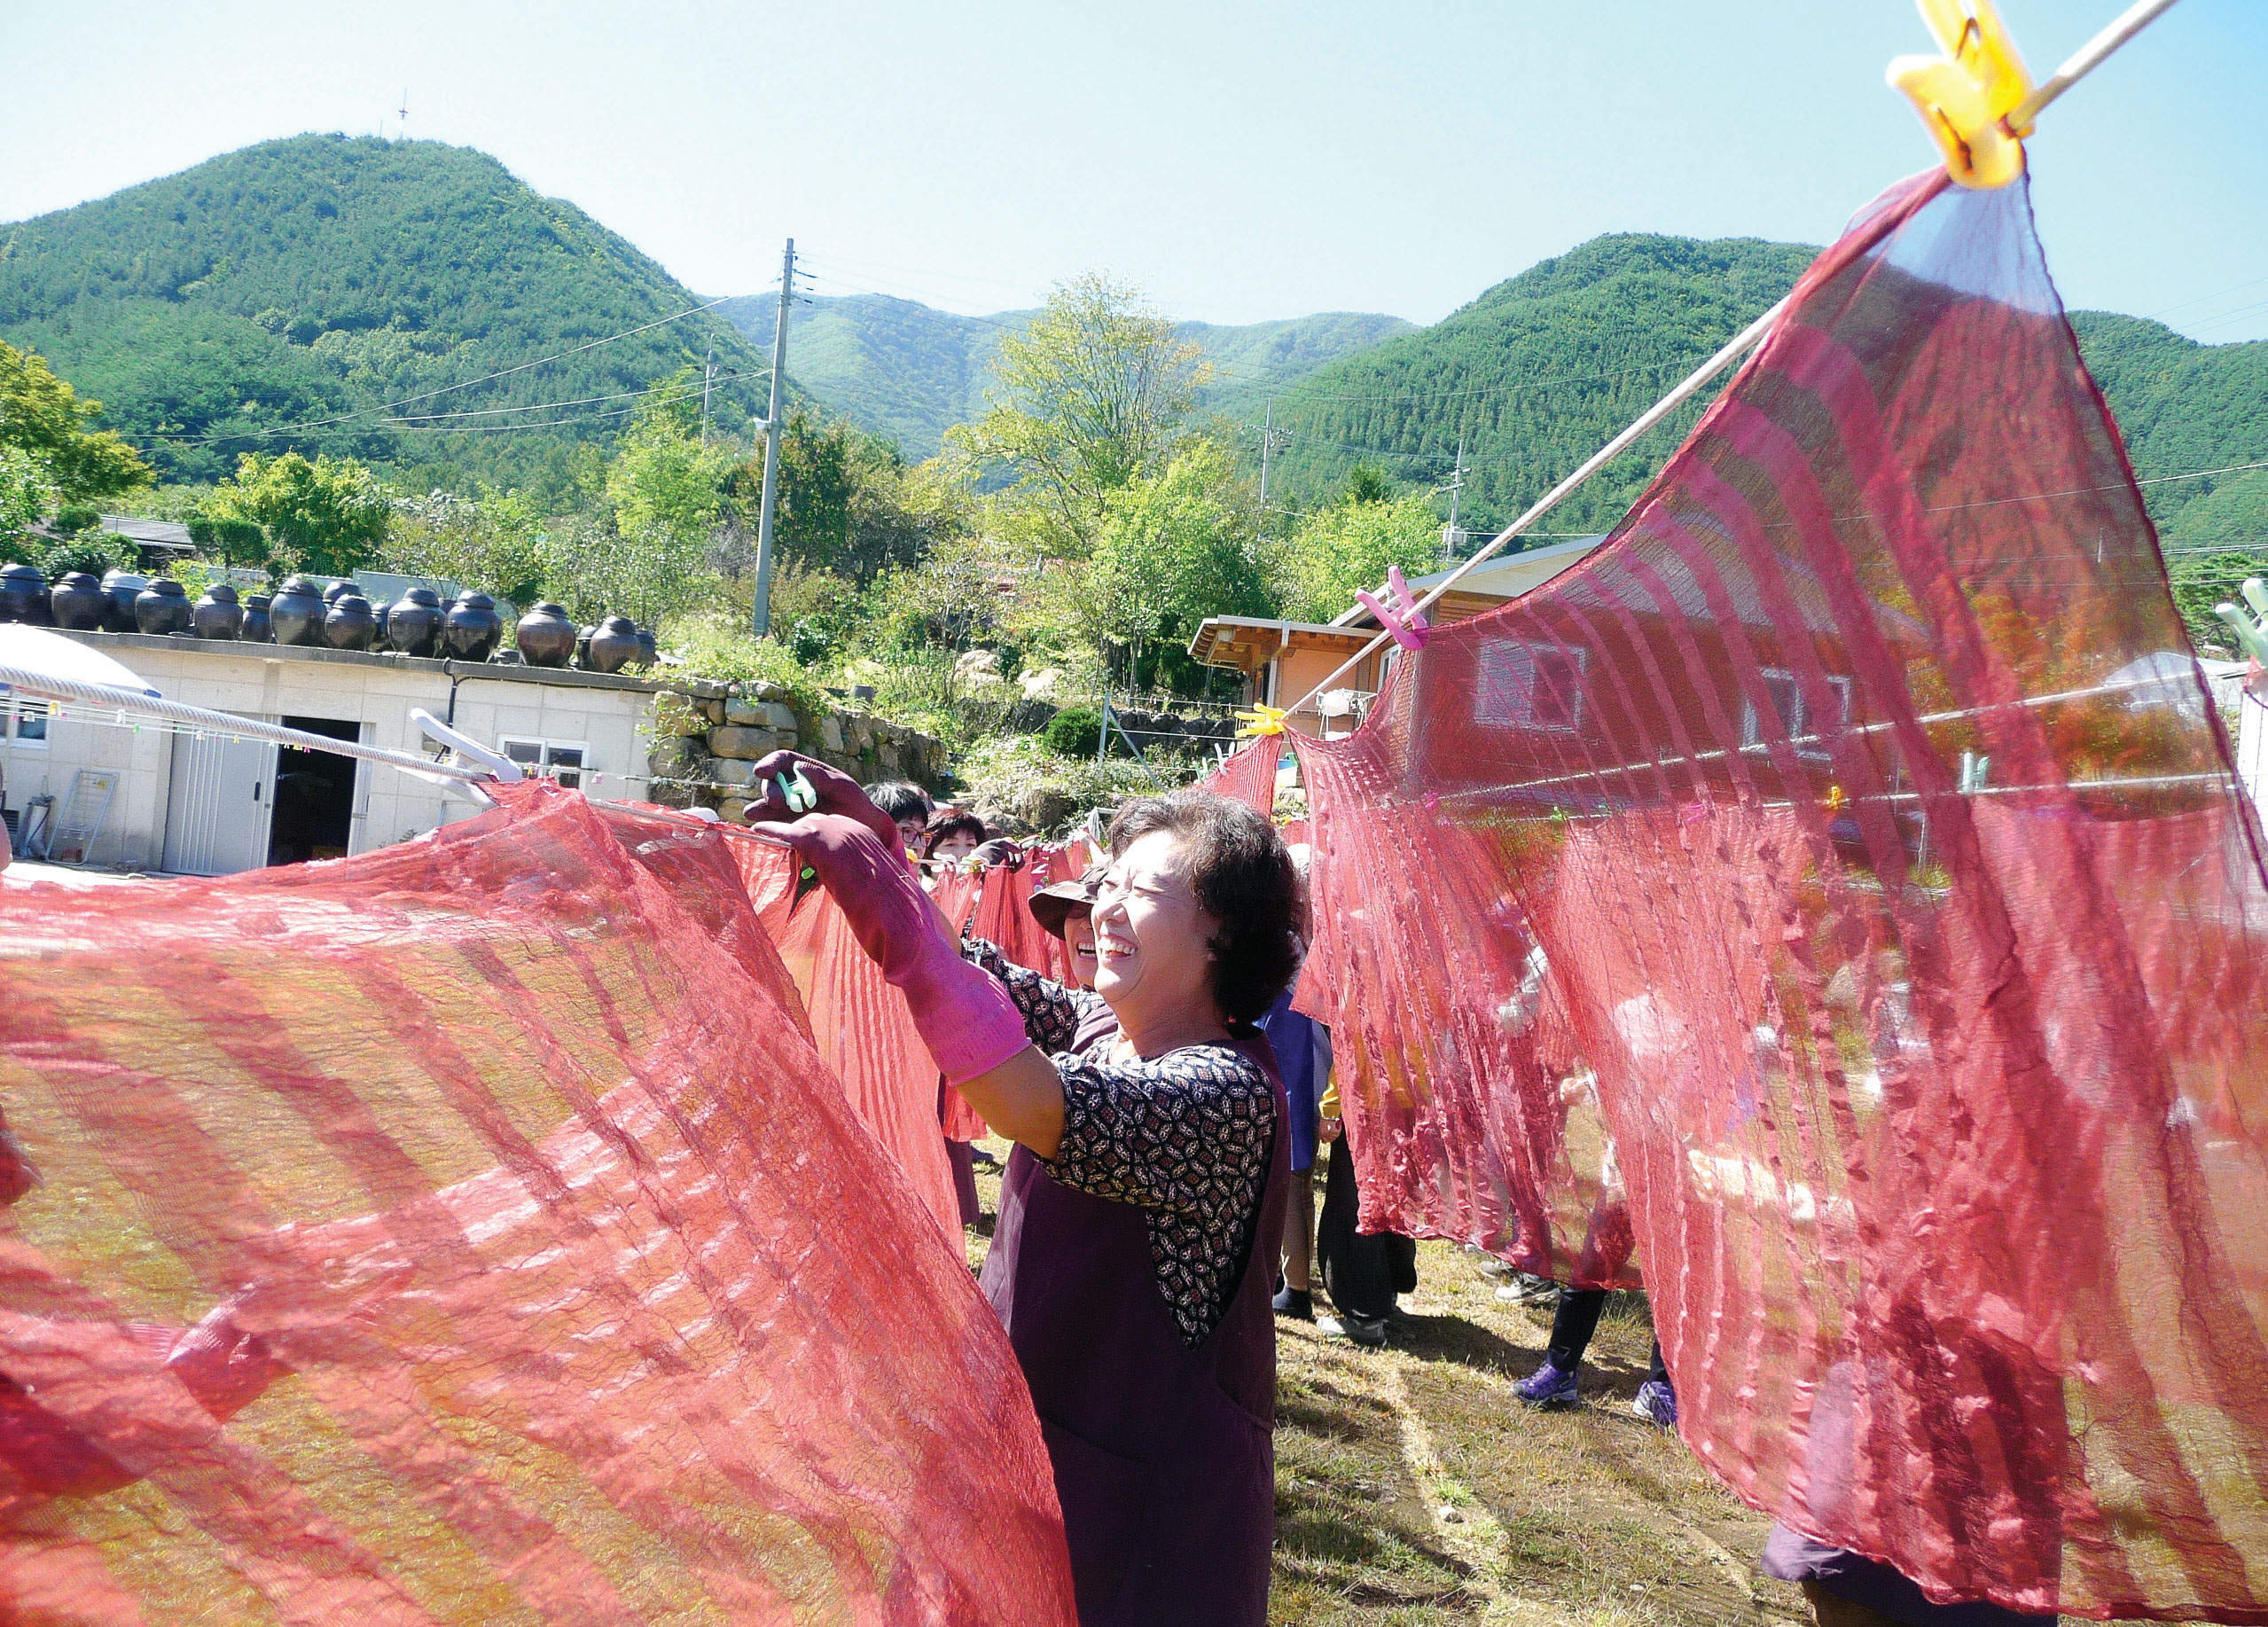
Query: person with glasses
(1134,1255)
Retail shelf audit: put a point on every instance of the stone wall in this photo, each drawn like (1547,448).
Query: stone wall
(706,749)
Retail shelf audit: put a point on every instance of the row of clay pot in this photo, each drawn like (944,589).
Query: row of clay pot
(337,617)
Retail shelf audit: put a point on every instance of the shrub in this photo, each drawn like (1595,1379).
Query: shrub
(716,647)
(76,517)
(91,551)
(1074,732)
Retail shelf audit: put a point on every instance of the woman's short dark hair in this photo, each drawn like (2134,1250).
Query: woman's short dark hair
(954,824)
(901,799)
(1243,878)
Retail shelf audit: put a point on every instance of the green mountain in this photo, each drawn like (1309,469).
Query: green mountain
(2184,406)
(311,282)
(1542,368)
(906,371)
(895,367)
(1534,374)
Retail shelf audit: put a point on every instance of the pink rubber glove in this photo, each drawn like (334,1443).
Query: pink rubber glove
(965,1018)
(838,794)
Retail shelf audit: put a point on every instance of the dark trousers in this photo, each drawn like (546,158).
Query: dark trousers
(1362,1274)
(1574,1323)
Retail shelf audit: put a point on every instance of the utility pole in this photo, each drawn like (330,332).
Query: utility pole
(1267,445)
(707,373)
(1456,489)
(762,616)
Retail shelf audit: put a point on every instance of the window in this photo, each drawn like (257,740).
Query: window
(1811,733)
(1530,687)
(559,759)
(23,722)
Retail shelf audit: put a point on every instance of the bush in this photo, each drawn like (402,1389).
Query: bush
(1074,732)
(812,640)
(93,552)
(715,646)
(76,517)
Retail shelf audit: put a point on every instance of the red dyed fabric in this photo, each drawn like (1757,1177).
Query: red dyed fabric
(1003,912)
(456,1234)
(1249,775)
(1821,898)
(860,1025)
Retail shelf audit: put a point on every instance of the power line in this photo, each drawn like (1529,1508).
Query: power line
(384,407)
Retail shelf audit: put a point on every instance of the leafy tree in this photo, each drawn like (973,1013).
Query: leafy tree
(847,502)
(1094,394)
(645,554)
(1366,482)
(44,418)
(1171,550)
(232,540)
(496,542)
(1350,545)
(328,516)
(27,492)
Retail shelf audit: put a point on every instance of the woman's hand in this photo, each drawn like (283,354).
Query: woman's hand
(836,792)
(1327,1130)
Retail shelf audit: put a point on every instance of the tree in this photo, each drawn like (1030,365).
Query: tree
(44,419)
(496,542)
(27,492)
(644,555)
(328,516)
(1350,545)
(1171,550)
(1094,394)
(847,502)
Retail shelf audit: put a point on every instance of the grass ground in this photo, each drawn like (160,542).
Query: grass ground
(1411,1488)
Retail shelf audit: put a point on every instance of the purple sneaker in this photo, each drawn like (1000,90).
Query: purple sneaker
(1547,1387)
(1657,1404)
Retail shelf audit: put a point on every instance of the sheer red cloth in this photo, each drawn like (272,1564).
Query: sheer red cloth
(458,1233)
(860,1025)
(1249,775)
(1833,896)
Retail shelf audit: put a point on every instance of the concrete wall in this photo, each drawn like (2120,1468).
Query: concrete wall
(607,713)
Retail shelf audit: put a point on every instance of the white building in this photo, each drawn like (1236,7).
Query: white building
(175,803)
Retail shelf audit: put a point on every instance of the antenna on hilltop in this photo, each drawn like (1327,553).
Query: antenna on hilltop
(405,113)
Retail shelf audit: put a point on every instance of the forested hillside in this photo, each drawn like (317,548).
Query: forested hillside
(902,370)
(1543,368)
(2186,406)
(1535,373)
(310,281)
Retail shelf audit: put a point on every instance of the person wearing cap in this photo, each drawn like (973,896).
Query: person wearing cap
(1065,910)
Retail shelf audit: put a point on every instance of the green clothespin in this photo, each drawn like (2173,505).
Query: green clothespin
(801,799)
(2251,635)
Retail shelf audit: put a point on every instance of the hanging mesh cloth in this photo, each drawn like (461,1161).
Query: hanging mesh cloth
(1833,895)
(1249,775)
(469,1233)
(859,1024)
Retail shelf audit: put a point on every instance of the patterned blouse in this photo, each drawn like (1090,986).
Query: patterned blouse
(1187,1137)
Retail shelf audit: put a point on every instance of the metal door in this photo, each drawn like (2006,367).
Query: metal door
(217,813)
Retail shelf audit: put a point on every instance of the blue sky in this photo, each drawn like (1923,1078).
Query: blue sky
(1237,161)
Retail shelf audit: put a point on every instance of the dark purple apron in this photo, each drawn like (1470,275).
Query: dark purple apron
(1164,1456)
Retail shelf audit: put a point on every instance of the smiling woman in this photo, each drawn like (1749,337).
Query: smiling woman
(1147,1186)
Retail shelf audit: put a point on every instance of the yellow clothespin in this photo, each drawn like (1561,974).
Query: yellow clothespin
(1965,96)
(1836,799)
(1262,719)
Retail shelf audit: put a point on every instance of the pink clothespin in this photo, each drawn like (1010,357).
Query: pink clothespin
(1397,610)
